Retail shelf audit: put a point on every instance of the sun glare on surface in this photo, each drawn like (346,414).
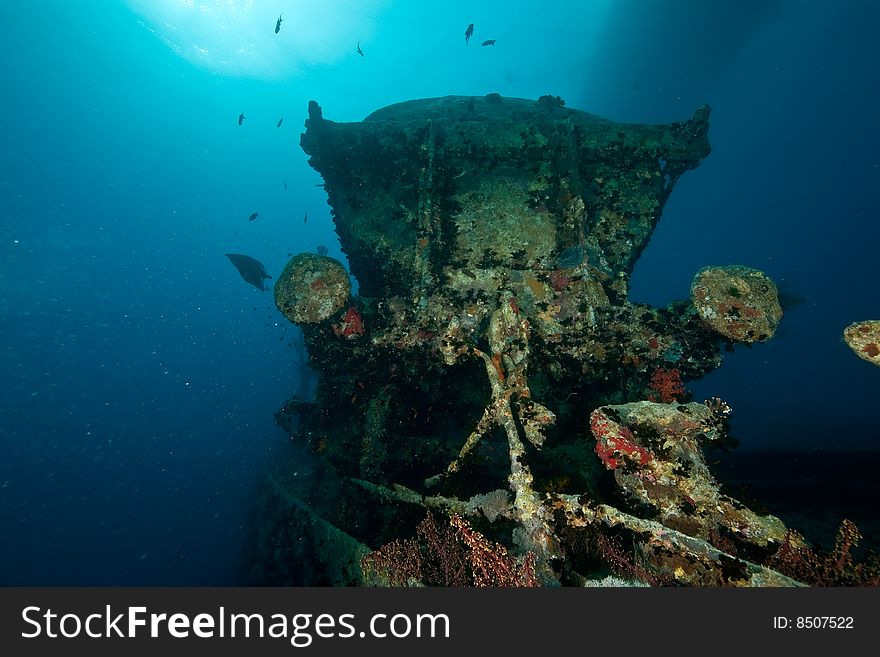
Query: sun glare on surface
(239,37)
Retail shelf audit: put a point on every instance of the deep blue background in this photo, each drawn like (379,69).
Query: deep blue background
(140,373)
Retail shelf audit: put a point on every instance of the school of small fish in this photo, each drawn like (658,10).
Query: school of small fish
(322,250)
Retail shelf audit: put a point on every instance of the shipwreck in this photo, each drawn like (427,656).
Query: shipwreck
(491,368)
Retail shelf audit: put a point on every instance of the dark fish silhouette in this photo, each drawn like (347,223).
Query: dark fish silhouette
(788,297)
(241,118)
(253,216)
(360,52)
(278,23)
(489,42)
(322,250)
(306,218)
(468,33)
(285,185)
(251,269)
(280,121)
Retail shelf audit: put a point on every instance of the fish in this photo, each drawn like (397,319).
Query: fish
(788,297)
(322,250)
(306,218)
(253,216)
(280,121)
(359,51)
(489,42)
(278,23)
(285,185)
(468,33)
(251,269)
(241,118)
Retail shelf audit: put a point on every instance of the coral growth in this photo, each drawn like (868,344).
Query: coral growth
(311,288)
(668,385)
(615,443)
(352,324)
(864,339)
(835,568)
(740,303)
(451,554)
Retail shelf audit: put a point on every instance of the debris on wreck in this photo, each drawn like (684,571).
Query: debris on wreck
(864,339)
(492,366)
(311,288)
(654,451)
(738,302)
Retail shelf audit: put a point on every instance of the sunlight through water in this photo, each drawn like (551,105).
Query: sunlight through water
(238,37)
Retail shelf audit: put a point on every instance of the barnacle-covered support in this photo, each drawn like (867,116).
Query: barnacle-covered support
(512,409)
(688,559)
(654,451)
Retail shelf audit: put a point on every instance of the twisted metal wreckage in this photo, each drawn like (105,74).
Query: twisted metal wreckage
(493,240)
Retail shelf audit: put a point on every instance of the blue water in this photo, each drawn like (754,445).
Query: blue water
(140,373)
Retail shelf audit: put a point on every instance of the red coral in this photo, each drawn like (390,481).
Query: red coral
(667,383)
(622,563)
(449,555)
(352,324)
(614,441)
